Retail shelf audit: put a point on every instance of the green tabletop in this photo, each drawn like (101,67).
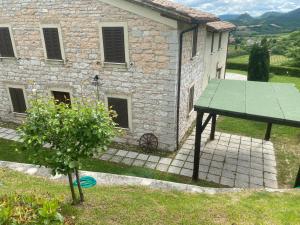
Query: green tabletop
(261,101)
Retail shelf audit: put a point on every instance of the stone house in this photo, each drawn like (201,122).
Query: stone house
(152,58)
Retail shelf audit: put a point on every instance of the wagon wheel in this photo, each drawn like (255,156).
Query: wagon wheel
(148,142)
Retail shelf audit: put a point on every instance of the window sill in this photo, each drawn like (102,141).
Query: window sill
(8,58)
(115,65)
(126,131)
(20,115)
(193,57)
(190,113)
(55,61)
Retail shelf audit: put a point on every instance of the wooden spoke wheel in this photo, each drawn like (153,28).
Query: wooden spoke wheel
(148,141)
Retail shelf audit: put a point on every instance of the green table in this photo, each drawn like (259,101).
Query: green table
(272,103)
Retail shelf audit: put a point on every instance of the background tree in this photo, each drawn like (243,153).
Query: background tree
(259,62)
(294,54)
(73,132)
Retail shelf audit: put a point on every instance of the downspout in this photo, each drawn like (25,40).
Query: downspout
(179,78)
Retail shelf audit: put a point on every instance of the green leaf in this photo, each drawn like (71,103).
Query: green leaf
(73,164)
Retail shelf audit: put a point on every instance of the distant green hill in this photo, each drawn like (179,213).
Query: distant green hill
(268,23)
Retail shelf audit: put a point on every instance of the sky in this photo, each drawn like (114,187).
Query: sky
(253,7)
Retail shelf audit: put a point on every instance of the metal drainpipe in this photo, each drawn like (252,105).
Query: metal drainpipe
(179,79)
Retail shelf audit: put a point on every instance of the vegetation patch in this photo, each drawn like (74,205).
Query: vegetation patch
(28,209)
(139,205)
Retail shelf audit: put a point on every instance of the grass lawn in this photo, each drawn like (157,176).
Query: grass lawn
(138,205)
(275,59)
(285,139)
(8,153)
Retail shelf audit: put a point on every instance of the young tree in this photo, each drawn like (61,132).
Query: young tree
(259,62)
(72,132)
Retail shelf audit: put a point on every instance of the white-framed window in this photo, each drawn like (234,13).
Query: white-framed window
(191,99)
(114,43)
(17,98)
(52,42)
(122,106)
(7,44)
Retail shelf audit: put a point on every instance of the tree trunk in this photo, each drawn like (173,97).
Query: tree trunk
(72,188)
(79,185)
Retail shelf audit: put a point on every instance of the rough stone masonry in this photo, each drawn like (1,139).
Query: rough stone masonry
(149,81)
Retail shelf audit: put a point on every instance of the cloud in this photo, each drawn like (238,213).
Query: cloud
(253,7)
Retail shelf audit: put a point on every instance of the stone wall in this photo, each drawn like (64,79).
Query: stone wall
(150,81)
(192,74)
(215,59)
(199,70)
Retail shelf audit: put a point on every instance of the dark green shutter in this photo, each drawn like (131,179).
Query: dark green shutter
(212,42)
(220,40)
(6,48)
(195,42)
(18,100)
(113,44)
(52,43)
(191,98)
(120,106)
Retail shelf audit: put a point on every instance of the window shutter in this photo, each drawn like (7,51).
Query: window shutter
(52,43)
(220,40)
(113,44)
(212,42)
(121,108)
(195,42)
(62,97)
(18,100)
(6,48)
(191,98)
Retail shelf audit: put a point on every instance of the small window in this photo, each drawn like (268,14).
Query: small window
(17,100)
(195,43)
(119,105)
(212,42)
(52,43)
(191,98)
(220,41)
(62,97)
(113,44)
(6,47)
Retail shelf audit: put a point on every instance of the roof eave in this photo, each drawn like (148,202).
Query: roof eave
(171,14)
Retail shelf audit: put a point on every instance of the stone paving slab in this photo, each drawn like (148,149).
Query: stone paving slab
(121,180)
(231,160)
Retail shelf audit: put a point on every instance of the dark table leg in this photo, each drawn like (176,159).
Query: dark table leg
(197,145)
(268,132)
(213,127)
(297,183)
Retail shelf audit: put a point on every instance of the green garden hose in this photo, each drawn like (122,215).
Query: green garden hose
(86,182)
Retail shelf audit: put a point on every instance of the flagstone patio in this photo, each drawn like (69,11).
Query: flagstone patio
(231,160)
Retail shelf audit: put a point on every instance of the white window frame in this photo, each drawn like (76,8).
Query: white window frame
(62,50)
(188,102)
(126,45)
(10,100)
(11,39)
(129,105)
